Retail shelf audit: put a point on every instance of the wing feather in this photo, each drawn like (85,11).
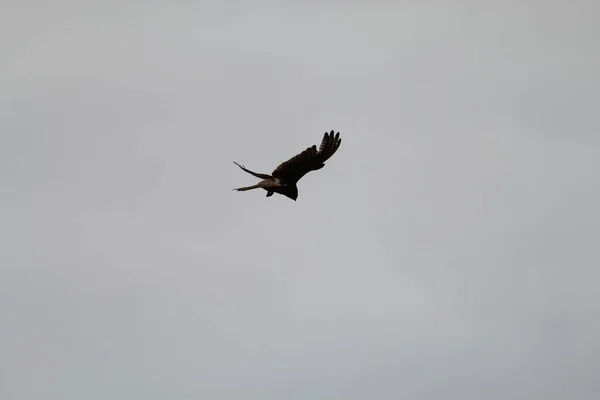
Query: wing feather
(309,160)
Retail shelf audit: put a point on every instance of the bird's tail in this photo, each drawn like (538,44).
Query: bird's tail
(243,189)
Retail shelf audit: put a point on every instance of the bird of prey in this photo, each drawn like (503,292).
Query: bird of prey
(283,180)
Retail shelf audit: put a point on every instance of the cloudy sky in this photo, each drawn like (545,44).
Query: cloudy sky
(449,250)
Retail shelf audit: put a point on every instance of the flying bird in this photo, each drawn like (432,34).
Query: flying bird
(283,180)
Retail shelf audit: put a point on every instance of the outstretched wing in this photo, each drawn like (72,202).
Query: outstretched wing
(260,176)
(310,159)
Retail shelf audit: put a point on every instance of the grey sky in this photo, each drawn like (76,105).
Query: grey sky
(449,250)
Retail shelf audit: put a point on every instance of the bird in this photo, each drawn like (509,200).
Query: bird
(284,178)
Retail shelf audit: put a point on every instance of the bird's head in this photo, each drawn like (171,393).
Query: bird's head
(291,191)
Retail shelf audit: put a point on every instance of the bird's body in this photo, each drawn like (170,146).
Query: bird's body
(284,178)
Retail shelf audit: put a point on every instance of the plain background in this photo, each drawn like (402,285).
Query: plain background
(449,250)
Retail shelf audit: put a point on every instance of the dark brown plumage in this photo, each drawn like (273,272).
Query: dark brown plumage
(284,178)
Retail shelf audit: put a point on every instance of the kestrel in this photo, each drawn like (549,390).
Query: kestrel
(283,180)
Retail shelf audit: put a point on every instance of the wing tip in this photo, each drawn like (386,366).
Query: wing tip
(332,135)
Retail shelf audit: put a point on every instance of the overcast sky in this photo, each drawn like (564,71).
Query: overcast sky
(449,249)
